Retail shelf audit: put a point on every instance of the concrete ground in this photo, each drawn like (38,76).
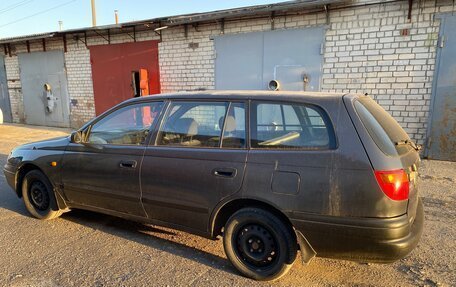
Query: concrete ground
(88,249)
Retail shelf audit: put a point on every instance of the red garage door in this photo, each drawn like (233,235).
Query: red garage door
(124,71)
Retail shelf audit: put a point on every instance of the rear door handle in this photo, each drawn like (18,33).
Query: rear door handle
(128,164)
(225,172)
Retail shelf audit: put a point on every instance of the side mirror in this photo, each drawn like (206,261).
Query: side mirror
(77,137)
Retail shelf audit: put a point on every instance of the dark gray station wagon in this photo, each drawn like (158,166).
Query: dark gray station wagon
(330,175)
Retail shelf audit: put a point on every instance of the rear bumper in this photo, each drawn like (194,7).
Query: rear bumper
(366,240)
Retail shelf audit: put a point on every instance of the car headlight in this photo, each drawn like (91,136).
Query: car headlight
(13,160)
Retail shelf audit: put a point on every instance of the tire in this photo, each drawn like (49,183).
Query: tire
(275,249)
(38,196)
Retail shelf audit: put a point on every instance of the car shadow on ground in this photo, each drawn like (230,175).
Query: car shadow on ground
(144,234)
(138,232)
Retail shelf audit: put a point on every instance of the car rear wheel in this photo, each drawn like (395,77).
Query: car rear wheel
(38,196)
(259,245)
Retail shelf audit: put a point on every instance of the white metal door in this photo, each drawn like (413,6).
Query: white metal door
(250,61)
(41,107)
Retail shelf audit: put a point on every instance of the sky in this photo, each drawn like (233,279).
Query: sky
(25,17)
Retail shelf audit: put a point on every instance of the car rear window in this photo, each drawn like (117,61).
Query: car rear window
(381,126)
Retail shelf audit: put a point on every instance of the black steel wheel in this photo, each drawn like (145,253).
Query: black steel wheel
(259,245)
(256,245)
(38,196)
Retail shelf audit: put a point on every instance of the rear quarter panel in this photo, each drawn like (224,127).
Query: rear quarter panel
(337,182)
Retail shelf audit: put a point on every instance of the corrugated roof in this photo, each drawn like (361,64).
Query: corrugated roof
(247,11)
(27,37)
(190,18)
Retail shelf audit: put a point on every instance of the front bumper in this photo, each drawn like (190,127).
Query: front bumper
(365,240)
(10,177)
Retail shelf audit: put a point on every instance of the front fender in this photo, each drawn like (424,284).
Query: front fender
(45,155)
(53,177)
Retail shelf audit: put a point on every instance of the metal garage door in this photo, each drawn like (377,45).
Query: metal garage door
(5,105)
(41,107)
(250,61)
(442,132)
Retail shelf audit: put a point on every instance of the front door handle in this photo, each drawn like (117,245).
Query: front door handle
(128,164)
(225,172)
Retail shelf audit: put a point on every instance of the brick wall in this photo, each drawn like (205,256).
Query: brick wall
(78,71)
(79,76)
(187,63)
(364,52)
(14,88)
(80,86)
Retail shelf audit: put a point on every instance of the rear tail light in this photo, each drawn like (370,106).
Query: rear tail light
(394,183)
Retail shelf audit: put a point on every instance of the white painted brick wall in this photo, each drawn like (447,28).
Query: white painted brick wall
(185,68)
(364,52)
(78,70)
(14,88)
(396,70)
(80,86)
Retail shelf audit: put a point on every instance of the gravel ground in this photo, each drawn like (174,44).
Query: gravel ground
(88,249)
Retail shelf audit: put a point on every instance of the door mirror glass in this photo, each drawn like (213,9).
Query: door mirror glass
(77,137)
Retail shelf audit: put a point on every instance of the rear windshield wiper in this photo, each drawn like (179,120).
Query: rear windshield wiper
(417,147)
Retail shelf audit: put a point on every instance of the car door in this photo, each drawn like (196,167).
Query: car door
(197,159)
(103,172)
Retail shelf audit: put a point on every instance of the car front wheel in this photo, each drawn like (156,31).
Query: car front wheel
(259,245)
(38,196)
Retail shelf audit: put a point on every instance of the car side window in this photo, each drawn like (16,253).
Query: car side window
(126,126)
(282,125)
(193,124)
(234,127)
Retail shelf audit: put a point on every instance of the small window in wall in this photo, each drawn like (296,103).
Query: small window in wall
(277,125)
(135,84)
(140,83)
(193,124)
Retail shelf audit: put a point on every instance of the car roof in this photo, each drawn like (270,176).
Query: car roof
(232,95)
(244,95)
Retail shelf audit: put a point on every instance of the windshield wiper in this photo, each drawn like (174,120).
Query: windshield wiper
(417,147)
